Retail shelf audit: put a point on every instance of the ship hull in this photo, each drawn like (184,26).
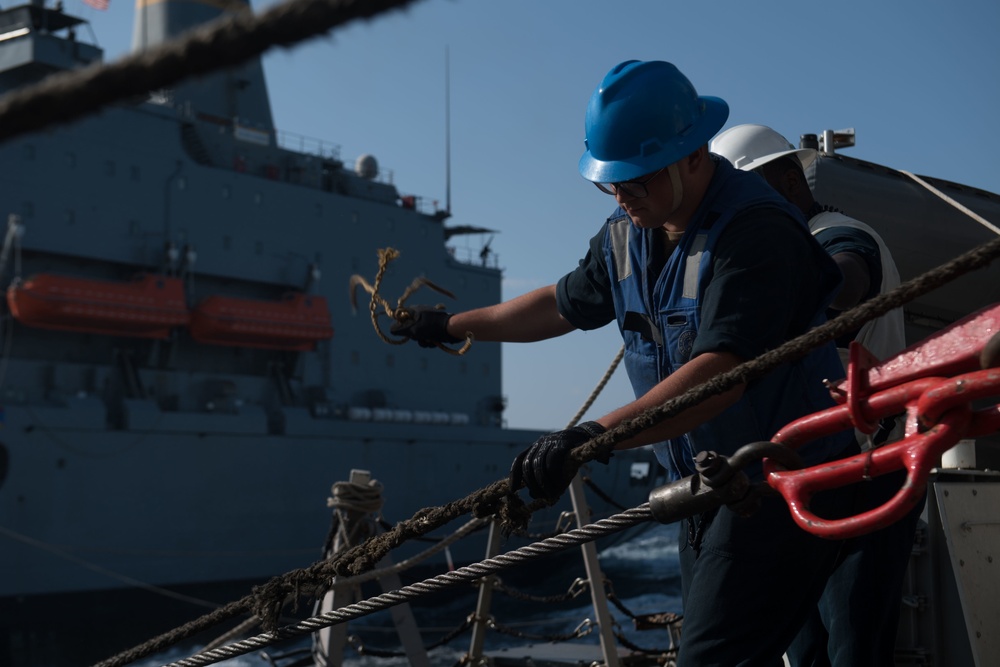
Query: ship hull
(195,457)
(202,451)
(87,510)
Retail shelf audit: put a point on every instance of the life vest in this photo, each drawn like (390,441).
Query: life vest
(659,318)
(884,336)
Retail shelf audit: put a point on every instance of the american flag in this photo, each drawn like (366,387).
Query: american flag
(98,4)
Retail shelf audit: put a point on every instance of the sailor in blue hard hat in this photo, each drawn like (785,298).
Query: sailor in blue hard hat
(702,267)
(641,121)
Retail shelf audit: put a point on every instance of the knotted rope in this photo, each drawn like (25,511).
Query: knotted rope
(398,313)
(498,498)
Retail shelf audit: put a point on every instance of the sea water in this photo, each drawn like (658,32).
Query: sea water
(642,574)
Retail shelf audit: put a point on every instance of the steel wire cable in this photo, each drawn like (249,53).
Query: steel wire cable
(411,592)
(376,548)
(89,89)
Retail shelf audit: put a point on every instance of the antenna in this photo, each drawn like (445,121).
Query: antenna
(447,131)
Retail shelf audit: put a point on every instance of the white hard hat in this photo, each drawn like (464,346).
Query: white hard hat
(752,146)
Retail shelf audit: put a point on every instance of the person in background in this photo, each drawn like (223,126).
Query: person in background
(702,267)
(860,253)
(878,560)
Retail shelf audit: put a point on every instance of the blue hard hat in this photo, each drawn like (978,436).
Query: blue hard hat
(643,117)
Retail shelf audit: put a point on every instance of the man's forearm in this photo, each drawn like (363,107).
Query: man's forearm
(529,317)
(695,372)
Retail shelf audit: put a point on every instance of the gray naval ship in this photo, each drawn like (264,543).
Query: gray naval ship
(182,375)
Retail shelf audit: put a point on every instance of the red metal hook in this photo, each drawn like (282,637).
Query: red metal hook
(939,415)
(917,453)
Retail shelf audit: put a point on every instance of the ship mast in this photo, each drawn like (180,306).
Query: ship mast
(447,131)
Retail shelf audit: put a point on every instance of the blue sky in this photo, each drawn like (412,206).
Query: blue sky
(918,80)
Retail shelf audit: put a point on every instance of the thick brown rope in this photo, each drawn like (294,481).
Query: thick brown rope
(72,95)
(598,389)
(497,498)
(796,348)
(229,41)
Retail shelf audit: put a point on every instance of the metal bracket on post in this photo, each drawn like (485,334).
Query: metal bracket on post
(600,601)
(475,656)
(329,642)
(402,618)
(582,510)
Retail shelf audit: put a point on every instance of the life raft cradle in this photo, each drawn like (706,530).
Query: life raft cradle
(152,305)
(933,382)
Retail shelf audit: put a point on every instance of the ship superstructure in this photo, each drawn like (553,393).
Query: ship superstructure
(183,376)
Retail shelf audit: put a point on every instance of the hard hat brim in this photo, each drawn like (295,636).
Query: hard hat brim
(806,157)
(615,171)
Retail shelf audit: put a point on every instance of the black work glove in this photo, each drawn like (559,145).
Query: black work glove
(542,467)
(425,324)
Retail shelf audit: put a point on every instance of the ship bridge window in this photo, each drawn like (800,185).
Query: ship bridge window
(326,172)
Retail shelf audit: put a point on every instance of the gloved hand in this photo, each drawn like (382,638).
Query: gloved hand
(541,467)
(426,324)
